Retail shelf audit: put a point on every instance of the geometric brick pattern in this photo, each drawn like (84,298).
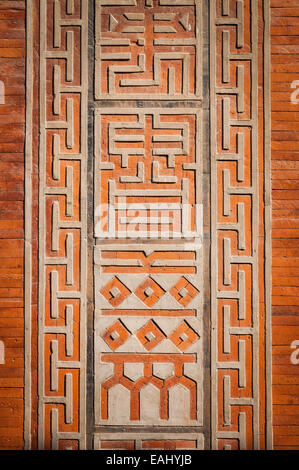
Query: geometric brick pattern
(158,350)
(62,215)
(144,156)
(159,304)
(144,50)
(236,270)
(155,152)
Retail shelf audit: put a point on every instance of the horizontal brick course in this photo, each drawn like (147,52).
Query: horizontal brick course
(12,128)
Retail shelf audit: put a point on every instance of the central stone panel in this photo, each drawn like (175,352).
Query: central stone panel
(148,257)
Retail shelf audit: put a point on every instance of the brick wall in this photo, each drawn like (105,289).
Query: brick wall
(12,125)
(285,176)
(285,233)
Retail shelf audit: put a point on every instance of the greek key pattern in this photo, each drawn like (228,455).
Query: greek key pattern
(148,49)
(63,224)
(235,222)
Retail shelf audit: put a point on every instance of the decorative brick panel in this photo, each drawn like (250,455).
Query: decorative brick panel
(146,51)
(62,224)
(235,223)
(153,236)
(145,55)
(148,290)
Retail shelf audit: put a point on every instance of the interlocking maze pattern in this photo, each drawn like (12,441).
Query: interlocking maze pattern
(145,51)
(146,156)
(234,127)
(148,294)
(62,229)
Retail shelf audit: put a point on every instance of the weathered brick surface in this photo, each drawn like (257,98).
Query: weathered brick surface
(285,228)
(12,125)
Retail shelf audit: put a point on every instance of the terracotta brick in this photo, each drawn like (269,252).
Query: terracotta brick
(15,4)
(285,234)
(285,43)
(12,122)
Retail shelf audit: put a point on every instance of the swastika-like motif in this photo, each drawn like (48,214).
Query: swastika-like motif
(62,212)
(148,49)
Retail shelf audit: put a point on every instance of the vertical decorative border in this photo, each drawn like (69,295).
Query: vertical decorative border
(28,225)
(268,222)
(253,259)
(43,262)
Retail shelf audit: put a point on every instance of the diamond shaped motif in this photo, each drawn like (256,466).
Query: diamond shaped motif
(115,292)
(149,292)
(183,336)
(183,291)
(116,335)
(150,335)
